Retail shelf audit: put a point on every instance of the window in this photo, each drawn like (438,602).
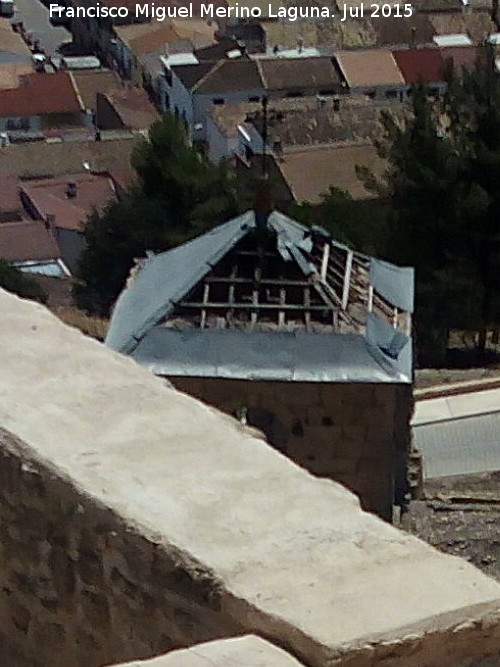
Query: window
(391,94)
(14,124)
(254,98)
(218,100)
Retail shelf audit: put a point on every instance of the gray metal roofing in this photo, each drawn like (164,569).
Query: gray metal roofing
(459,446)
(264,355)
(168,277)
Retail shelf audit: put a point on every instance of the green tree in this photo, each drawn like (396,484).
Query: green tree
(442,183)
(15,281)
(179,195)
(361,224)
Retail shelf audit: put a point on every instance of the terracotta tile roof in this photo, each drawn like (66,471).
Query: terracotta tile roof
(295,73)
(311,171)
(40,94)
(133,107)
(123,179)
(462,56)
(142,38)
(48,196)
(228,76)
(27,240)
(419,64)
(9,195)
(12,42)
(191,74)
(376,67)
(11,73)
(40,159)
(90,82)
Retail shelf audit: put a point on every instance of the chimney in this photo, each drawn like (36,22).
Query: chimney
(300,43)
(413,38)
(263,204)
(50,222)
(71,190)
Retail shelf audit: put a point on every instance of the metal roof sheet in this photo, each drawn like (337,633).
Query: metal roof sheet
(166,278)
(383,355)
(263,355)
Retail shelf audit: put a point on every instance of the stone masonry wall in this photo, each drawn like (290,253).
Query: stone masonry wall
(81,588)
(356,434)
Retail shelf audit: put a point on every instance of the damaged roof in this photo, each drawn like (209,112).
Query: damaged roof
(379,351)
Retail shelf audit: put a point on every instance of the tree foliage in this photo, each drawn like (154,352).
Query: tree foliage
(179,195)
(443,184)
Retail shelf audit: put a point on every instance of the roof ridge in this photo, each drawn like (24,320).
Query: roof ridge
(204,78)
(258,63)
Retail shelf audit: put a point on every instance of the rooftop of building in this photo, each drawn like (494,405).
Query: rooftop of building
(70,200)
(133,107)
(294,73)
(187,309)
(152,37)
(419,65)
(40,94)
(27,240)
(39,159)
(89,83)
(366,68)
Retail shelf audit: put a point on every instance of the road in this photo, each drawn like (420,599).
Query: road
(459,434)
(35,17)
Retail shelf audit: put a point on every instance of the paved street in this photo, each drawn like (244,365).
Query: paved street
(35,17)
(460,434)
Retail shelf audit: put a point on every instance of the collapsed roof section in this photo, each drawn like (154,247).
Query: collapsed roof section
(273,301)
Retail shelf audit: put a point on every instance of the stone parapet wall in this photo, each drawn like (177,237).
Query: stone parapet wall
(81,586)
(249,651)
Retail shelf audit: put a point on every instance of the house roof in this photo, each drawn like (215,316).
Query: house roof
(48,196)
(166,279)
(152,37)
(9,195)
(295,73)
(311,170)
(36,159)
(11,73)
(375,67)
(25,241)
(263,355)
(191,74)
(41,94)
(420,64)
(461,56)
(89,83)
(228,76)
(12,42)
(133,107)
